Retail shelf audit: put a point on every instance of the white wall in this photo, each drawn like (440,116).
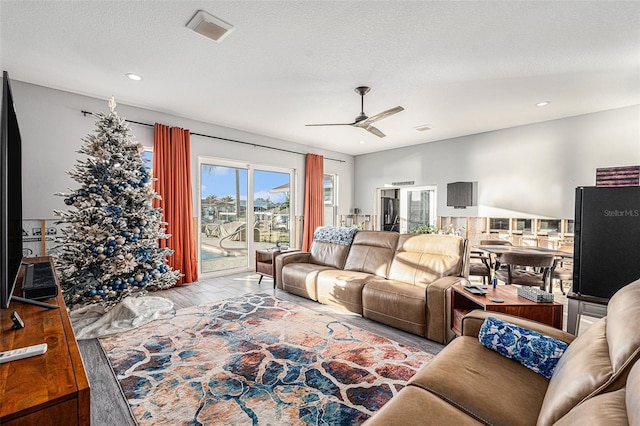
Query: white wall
(525,171)
(52,129)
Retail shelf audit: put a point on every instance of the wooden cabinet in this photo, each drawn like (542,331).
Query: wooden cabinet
(49,389)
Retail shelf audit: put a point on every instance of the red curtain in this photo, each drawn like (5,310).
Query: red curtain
(172,169)
(313,198)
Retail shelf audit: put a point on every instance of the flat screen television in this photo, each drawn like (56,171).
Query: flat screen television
(11,202)
(11,198)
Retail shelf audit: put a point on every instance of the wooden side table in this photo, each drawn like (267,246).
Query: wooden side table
(266,263)
(48,389)
(463,302)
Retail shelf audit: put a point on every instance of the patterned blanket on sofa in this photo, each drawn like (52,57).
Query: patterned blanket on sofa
(335,234)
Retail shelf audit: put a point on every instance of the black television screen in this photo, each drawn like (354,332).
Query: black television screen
(11,195)
(460,194)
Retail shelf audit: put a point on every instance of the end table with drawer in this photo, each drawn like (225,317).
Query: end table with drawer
(266,263)
(462,302)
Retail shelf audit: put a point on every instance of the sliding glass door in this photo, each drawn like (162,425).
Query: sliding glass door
(223,217)
(271,208)
(232,224)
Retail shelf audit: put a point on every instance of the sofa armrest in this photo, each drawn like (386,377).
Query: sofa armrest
(472,322)
(293,257)
(439,308)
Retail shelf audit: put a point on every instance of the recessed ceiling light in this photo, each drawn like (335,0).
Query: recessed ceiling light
(362,142)
(423,128)
(133,76)
(543,103)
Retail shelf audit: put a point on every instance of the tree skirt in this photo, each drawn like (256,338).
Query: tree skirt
(91,321)
(255,359)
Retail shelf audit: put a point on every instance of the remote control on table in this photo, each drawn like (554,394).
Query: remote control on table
(22,353)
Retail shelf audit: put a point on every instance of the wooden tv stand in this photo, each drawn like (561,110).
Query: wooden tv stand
(49,389)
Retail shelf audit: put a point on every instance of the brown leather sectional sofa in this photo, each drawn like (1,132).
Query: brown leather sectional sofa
(402,280)
(594,383)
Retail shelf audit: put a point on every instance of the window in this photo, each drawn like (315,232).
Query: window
(147,156)
(417,208)
(549,226)
(498,224)
(522,226)
(330,199)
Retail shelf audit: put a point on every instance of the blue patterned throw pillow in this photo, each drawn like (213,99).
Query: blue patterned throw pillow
(535,351)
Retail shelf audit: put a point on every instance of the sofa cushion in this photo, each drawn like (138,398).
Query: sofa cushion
(606,409)
(372,252)
(342,288)
(533,350)
(483,383)
(623,332)
(416,406)
(583,369)
(397,304)
(328,254)
(632,397)
(599,359)
(423,258)
(301,279)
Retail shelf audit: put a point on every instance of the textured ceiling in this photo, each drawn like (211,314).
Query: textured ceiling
(460,67)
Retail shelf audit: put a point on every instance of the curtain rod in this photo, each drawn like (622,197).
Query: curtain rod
(255,145)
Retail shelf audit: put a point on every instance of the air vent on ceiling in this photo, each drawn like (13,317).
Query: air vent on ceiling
(423,128)
(209,26)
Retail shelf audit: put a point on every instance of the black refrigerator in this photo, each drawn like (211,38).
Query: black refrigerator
(607,239)
(390,214)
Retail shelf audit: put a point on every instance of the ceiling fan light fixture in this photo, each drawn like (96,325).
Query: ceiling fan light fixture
(362,120)
(209,26)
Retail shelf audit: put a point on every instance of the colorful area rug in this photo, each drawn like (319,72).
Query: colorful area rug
(257,360)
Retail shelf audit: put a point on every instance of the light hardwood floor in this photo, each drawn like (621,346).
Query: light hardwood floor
(108,406)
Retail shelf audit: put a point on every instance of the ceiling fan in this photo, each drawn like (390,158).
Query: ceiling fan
(362,120)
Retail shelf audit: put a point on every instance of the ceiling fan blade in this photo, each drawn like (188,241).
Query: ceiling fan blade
(383,114)
(374,130)
(331,124)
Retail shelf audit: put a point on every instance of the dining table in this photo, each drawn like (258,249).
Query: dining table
(497,250)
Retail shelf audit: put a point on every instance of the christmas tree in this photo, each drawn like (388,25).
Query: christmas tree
(111,243)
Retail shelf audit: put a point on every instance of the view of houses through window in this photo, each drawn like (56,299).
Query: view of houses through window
(232,224)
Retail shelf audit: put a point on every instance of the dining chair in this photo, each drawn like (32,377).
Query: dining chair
(531,269)
(563,268)
(495,262)
(480,265)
